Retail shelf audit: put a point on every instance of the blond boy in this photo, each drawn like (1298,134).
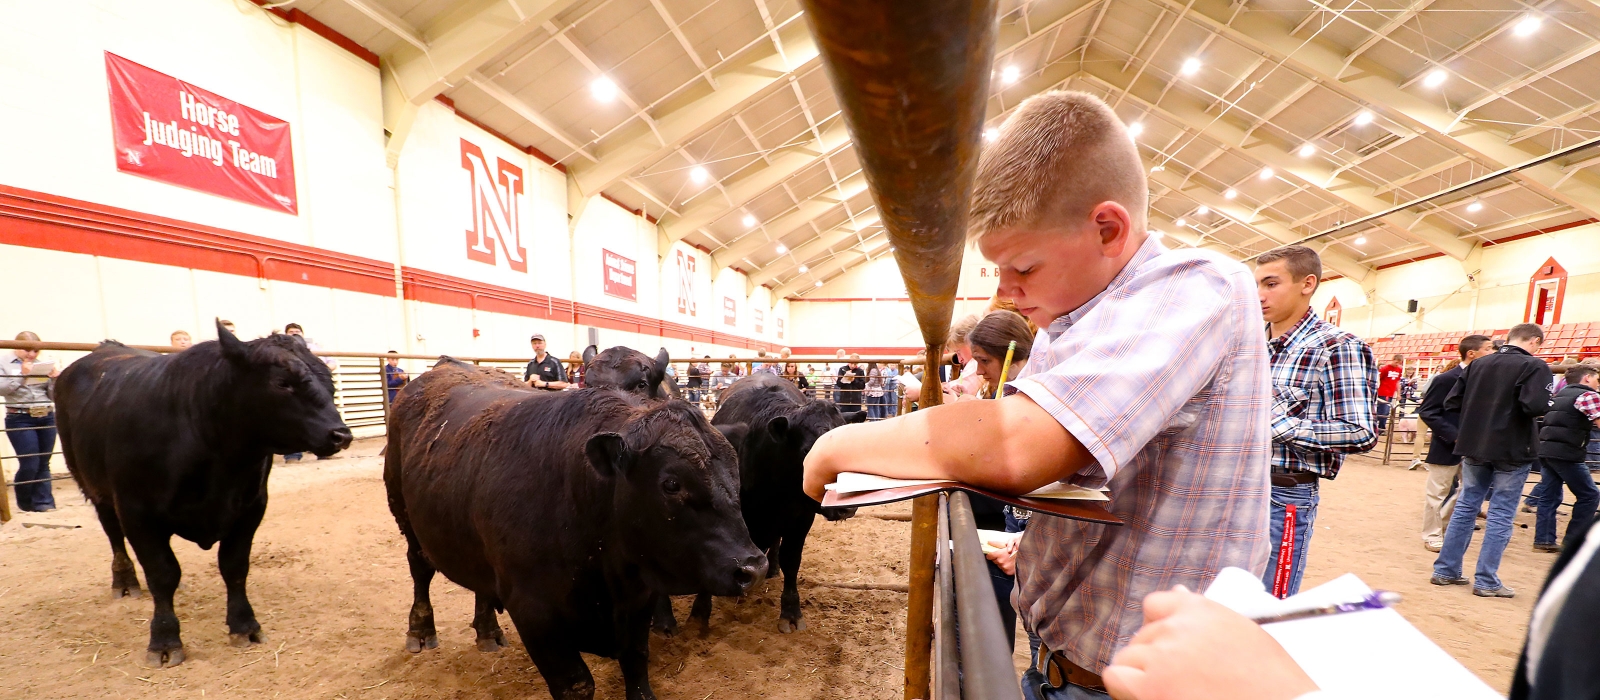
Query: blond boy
(1150,377)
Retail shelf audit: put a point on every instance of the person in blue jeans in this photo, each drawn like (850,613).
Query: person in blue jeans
(25,383)
(1563,448)
(394,378)
(1500,397)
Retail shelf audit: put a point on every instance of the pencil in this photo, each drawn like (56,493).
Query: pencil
(1010,349)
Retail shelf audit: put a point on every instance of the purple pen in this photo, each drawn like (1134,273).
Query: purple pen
(1377,600)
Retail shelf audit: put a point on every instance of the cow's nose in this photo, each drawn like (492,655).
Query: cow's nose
(750,571)
(340,437)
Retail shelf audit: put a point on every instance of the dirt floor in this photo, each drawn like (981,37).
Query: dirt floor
(330,586)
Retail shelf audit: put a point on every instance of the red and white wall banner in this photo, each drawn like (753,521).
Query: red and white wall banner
(730,311)
(620,280)
(686,298)
(168,130)
(496,198)
(779,321)
(756,318)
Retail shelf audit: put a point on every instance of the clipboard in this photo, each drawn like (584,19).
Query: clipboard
(1084,510)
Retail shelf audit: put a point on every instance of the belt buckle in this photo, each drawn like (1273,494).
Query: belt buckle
(38,411)
(1054,677)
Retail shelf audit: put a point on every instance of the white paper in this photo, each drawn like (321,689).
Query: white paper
(42,368)
(1368,654)
(856,482)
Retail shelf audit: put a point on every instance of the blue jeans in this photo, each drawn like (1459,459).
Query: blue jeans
(40,441)
(1478,479)
(1305,498)
(1537,494)
(1575,475)
(1032,681)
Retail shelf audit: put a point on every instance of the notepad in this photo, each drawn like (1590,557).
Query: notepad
(1367,654)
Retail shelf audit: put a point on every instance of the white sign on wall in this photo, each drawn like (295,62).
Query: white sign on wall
(686,297)
(730,311)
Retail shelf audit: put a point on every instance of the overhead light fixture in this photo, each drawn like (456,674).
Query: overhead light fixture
(1436,77)
(1135,129)
(1361,240)
(1010,74)
(1191,65)
(990,134)
(818,284)
(603,89)
(1267,173)
(1156,169)
(698,175)
(1202,211)
(1527,26)
(1180,222)
(782,249)
(1307,151)
(804,269)
(1475,206)
(1230,194)
(750,222)
(1364,118)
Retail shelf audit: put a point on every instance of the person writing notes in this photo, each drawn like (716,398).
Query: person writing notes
(1150,378)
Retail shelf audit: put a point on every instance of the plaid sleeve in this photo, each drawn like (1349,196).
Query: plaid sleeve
(1345,423)
(1589,403)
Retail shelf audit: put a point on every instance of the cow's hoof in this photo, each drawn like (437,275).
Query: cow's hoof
(415,645)
(666,630)
(118,592)
(245,640)
(787,626)
(163,659)
(493,644)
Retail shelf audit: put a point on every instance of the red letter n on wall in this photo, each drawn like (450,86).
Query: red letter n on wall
(496,209)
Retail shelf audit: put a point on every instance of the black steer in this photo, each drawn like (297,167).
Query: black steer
(568,510)
(783,425)
(629,370)
(181,444)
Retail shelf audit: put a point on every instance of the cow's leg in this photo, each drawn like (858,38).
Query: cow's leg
(663,620)
(124,580)
(789,560)
(635,656)
(490,637)
(162,573)
(701,612)
(233,561)
(558,661)
(422,634)
(772,561)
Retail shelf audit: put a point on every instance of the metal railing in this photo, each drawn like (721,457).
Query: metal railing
(971,656)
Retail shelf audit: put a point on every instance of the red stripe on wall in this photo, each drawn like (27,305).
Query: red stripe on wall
(50,222)
(872,351)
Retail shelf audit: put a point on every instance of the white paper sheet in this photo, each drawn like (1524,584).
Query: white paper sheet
(856,482)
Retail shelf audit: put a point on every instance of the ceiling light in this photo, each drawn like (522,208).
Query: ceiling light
(1267,173)
(1307,151)
(699,175)
(1527,26)
(1361,240)
(1230,194)
(750,222)
(1435,78)
(1364,118)
(1135,129)
(990,134)
(1202,211)
(1475,206)
(782,249)
(1191,66)
(1010,74)
(804,269)
(603,89)
(819,284)
(1157,169)
(1180,222)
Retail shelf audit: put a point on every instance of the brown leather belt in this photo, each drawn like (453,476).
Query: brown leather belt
(1294,479)
(31,411)
(1058,671)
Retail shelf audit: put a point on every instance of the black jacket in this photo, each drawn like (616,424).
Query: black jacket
(1446,425)
(1567,670)
(1565,433)
(1499,397)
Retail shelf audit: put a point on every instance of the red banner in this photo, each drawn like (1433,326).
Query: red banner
(168,130)
(619,276)
(730,311)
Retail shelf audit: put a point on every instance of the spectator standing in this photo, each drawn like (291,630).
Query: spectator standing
(26,383)
(544,370)
(181,340)
(575,375)
(852,380)
(393,376)
(1388,385)
(891,389)
(1322,383)
(874,392)
(792,373)
(295,330)
(1563,450)
(697,379)
(1499,397)
(1444,466)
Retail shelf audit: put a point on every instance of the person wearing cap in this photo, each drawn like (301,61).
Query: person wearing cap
(544,371)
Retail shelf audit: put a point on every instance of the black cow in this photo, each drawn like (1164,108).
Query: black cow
(783,425)
(568,510)
(181,444)
(629,370)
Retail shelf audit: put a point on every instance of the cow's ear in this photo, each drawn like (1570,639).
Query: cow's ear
(855,417)
(734,432)
(232,348)
(778,427)
(588,354)
(659,371)
(608,454)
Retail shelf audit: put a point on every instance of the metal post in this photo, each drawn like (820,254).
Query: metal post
(383,391)
(986,668)
(919,599)
(947,674)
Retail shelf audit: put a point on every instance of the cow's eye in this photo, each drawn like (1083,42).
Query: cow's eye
(670,485)
(283,385)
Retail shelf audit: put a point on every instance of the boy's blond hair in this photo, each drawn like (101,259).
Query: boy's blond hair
(1060,154)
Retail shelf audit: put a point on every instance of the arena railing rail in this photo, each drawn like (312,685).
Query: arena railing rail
(971,656)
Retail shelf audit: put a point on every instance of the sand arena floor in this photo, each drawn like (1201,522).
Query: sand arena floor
(330,586)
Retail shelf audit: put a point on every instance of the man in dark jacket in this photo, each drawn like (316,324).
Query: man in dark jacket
(1438,495)
(1563,447)
(1499,397)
